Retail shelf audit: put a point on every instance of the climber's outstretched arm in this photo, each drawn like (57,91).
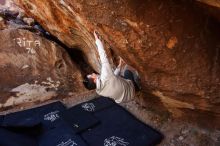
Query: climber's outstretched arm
(106,70)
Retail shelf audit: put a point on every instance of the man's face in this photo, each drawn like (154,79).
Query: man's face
(92,76)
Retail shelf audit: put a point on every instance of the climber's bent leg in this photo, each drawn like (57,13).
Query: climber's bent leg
(130,76)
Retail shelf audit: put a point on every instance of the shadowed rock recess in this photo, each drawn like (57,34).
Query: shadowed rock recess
(174,45)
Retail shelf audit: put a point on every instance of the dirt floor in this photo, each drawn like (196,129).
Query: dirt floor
(176,133)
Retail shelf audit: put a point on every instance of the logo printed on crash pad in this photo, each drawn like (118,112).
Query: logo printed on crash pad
(90,107)
(52,116)
(115,141)
(69,142)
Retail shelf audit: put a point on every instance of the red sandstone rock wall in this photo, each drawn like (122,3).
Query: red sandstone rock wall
(34,69)
(173,45)
(215,3)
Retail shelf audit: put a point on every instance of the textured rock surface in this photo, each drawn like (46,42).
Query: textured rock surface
(174,46)
(215,3)
(2,23)
(212,7)
(34,69)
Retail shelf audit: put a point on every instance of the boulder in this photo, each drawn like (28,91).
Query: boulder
(2,23)
(34,69)
(173,44)
(28,21)
(213,3)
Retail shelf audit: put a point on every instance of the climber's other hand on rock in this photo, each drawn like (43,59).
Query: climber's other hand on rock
(96,34)
(121,62)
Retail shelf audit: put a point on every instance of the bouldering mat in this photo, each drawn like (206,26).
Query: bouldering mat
(117,127)
(98,122)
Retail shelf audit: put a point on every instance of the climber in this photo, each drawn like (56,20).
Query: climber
(118,85)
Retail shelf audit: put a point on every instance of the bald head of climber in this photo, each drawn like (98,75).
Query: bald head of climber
(90,81)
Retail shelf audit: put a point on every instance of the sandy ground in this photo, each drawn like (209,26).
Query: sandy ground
(176,133)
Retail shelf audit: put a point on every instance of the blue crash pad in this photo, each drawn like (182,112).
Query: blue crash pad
(47,115)
(98,122)
(62,135)
(117,126)
(10,138)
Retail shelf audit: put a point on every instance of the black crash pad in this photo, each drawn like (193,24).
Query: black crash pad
(48,115)
(10,138)
(62,135)
(117,126)
(98,122)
